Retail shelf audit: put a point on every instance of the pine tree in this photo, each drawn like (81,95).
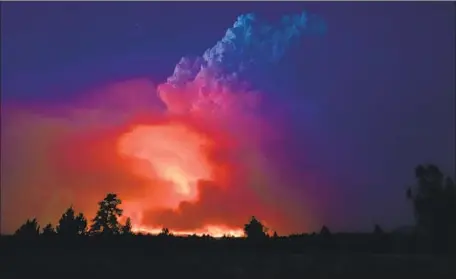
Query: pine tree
(48,230)
(255,229)
(126,229)
(275,235)
(106,219)
(30,229)
(72,225)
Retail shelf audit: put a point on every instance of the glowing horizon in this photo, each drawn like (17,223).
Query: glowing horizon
(213,231)
(186,154)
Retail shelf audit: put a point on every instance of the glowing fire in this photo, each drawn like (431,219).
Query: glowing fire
(172,155)
(214,231)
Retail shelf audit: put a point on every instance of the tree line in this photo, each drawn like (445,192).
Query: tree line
(433,198)
(105,222)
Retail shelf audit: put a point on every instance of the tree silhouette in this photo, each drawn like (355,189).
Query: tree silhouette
(434,203)
(255,229)
(48,230)
(378,230)
(72,225)
(325,231)
(326,239)
(379,240)
(126,229)
(164,232)
(106,219)
(275,235)
(29,229)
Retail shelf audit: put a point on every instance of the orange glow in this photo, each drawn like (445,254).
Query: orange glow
(172,156)
(214,231)
(192,172)
(172,153)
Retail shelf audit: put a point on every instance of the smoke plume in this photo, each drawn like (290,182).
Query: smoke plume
(198,165)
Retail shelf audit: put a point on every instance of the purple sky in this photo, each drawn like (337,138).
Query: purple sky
(375,96)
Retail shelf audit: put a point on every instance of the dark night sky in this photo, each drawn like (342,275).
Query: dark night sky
(380,81)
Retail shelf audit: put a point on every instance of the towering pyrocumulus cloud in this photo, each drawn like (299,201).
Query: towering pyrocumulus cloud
(197,166)
(209,82)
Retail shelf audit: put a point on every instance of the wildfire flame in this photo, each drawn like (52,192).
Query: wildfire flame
(212,230)
(176,155)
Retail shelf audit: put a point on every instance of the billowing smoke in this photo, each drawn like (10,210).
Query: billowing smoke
(208,82)
(199,165)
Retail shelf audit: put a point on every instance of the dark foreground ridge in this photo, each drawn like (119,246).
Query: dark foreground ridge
(166,256)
